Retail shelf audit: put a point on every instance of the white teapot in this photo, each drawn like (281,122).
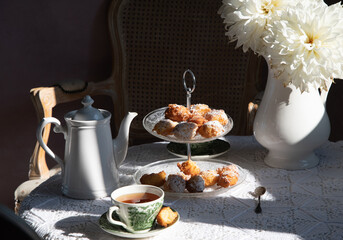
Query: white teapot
(92,157)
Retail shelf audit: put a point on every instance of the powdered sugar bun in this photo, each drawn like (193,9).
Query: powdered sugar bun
(228,176)
(165,127)
(177,113)
(211,129)
(199,109)
(218,115)
(185,130)
(198,119)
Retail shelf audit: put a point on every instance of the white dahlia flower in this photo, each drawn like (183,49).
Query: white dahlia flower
(305,45)
(246,20)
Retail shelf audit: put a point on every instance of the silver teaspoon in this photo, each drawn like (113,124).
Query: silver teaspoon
(259,191)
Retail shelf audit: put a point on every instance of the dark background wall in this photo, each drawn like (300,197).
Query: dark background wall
(43,42)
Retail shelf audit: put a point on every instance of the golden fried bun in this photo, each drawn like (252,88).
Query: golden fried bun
(227,180)
(228,168)
(210,177)
(185,130)
(217,115)
(156,179)
(165,127)
(189,168)
(177,113)
(228,176)
(211,129)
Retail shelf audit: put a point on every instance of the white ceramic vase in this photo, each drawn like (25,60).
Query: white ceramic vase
(291,124)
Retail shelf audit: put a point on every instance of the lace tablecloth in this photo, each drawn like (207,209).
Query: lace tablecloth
(303,204)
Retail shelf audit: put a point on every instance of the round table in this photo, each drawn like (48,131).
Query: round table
(302,204)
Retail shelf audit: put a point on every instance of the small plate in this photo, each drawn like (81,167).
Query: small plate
(170,167)
(121,232)
(210,149)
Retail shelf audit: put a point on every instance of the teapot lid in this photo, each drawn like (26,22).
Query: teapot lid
(88,113)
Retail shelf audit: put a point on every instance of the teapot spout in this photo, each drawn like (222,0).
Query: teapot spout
(120,143)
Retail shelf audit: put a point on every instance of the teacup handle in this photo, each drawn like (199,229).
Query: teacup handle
(110,219)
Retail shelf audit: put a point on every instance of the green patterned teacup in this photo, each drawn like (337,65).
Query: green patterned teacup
(137,207)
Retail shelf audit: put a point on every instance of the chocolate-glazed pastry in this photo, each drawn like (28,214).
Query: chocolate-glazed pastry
(195,184)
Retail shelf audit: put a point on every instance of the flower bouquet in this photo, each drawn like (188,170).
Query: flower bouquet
(302,42)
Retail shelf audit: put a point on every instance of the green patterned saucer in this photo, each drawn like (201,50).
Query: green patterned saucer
(204,150)
(121,232)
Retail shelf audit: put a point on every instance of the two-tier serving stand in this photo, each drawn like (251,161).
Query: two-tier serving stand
(170,165)
(155,116)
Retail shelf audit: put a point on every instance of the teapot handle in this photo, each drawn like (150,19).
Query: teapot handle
(58,129)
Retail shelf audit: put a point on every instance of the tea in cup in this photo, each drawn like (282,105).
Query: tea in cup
(137,207)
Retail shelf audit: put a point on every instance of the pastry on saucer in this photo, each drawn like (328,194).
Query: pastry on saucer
(166,217)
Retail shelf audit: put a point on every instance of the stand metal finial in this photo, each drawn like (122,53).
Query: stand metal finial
(189,90)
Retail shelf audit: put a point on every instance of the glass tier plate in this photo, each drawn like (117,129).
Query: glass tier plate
(170,167)
(155,116)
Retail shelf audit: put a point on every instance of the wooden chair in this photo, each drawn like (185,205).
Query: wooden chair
(154,42)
